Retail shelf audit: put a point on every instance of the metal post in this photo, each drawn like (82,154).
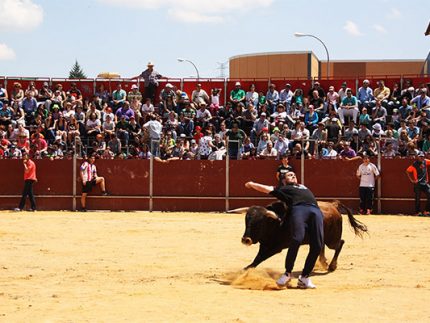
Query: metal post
(151,179)
(225,92)
(302,164)
(297,34)
(74,180)
(378,193)
(227,181)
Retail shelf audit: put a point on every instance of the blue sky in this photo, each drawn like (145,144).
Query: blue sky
(44,37)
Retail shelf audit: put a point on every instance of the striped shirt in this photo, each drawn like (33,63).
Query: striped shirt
(88,171)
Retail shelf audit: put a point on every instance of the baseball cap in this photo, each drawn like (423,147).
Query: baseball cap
(134,86)
(420,154)
(377,126)
(237,84)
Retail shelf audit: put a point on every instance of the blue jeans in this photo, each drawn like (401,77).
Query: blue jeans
(305,218)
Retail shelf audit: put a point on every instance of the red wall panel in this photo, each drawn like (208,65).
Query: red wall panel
(303,84)
(123,177)
(189,178)
(260,85)
(86,86)
(189,86)
(25,82)
(337,83)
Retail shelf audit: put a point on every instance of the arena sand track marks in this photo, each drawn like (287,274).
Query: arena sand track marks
(109,267)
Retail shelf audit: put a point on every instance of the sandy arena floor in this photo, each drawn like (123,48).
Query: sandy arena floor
(169,267)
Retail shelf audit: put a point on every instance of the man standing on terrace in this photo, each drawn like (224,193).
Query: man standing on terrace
(150,77)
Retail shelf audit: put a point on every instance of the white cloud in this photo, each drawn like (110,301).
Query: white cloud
(380,29)
(193,17)
(195,11)
(394,13)
(6,53)
(352,28)
(20,14)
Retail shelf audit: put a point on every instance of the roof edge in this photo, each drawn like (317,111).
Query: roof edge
(272,53)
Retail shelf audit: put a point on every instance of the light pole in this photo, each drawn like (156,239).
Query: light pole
(181,60)
(326,50)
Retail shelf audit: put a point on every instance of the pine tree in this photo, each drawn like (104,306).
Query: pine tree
(76,72)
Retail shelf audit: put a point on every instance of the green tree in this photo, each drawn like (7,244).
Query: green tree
(76,72)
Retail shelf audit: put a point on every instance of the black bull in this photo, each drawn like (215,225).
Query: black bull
(262,225)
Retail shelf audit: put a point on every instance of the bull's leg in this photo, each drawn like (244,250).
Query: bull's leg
(263,254)
(322,259)
(333,263)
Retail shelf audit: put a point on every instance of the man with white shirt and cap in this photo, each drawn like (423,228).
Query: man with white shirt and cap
(367,173)
(237,94)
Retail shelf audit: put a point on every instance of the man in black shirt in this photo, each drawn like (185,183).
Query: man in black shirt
(283,169)
(304,217)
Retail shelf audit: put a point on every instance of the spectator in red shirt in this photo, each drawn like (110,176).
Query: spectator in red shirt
(29,180)
(39,146)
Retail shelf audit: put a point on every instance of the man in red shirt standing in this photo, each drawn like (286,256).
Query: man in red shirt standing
(29,180)
(418,175)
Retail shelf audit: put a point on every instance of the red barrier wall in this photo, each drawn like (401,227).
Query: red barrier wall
(198,185)
(87,85)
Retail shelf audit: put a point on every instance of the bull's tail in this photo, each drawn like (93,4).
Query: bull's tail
(359,227)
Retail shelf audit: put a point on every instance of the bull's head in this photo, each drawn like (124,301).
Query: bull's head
(255,222)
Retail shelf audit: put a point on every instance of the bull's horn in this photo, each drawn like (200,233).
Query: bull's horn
(272,215)
(239,210)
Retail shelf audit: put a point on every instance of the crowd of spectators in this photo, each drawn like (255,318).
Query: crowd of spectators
(254,123)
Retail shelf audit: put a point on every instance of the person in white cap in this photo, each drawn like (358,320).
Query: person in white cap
(134,94)
(165,94)
(150,77)
(237,94)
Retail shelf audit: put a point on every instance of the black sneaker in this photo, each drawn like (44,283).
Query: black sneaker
(83,210)
(105,193)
